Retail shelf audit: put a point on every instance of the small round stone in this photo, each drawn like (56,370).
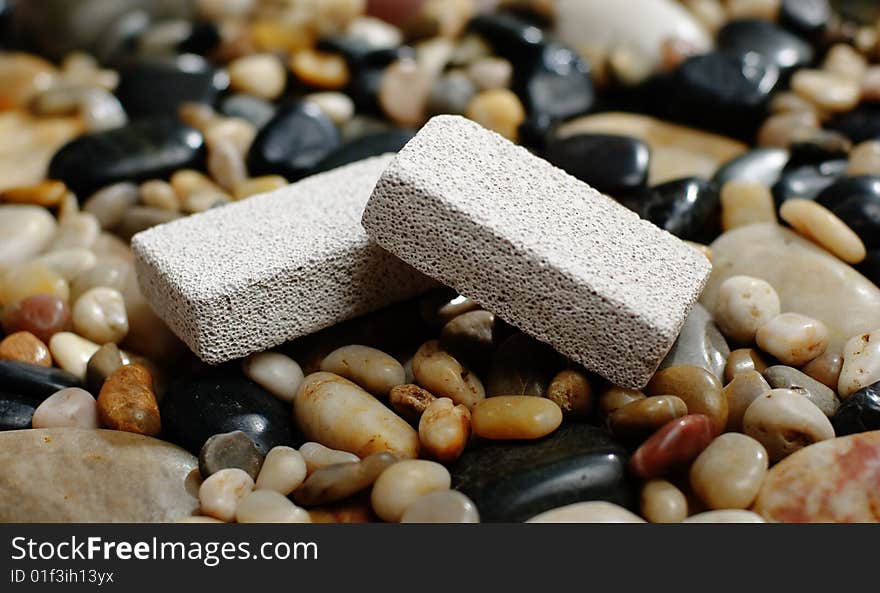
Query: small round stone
(820,225)
(784,421)
(572,392)
(47,194)
(614,398)
(372,369)
(268,506)
(728,474)
(826,367)
(441,374)
(72,407)
(861,363)
(43,315)
(864,159)
(593,511)
(221,493)
(641,418)
(342,480)
(284,470)
(30,279)
(410,401)
(127,401)
(25,347)
(278,374)
(441,506)
(827,90)
(99,315)
(102,364)
(674,446)
(745,388)
(317,456)
(403,92)
(226,164)
(746,202)
(499,110)
(698,388)
(662,502)
(337,106)
(744,304)
(470,336)
(262,75)
(741,361)
(793,338)
(157,193)
(319,69)
(490,73)
(405,482)
(444,429)
(843,59)
(515,417)
(71,352)
(25,231)
(230,450)
(726,516)
(79,229)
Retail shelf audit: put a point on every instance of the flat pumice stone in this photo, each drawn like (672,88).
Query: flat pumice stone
(541,249)
(256,273)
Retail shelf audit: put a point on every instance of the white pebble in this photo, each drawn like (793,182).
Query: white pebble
(861,363)
(278,374)
(444,429)
(405,482)
(77,230)
(726,516)
(793,338)
(268,506)
(317,456)
(337,106)
(784,421)
(442,506)
(372,369)
(593,511)
(71,352)
(72,407)
(744,304)
(262,75)
(221,493)
(99,315)
(283,470)
(68,263)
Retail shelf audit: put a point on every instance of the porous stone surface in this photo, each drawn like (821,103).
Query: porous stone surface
(539,248)
(249,276)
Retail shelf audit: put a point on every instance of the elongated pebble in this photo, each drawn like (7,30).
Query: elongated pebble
(744,304)
(614,290)
(663,502)
(283,470)
(342,480)
(220,494)
(726,516)
(405,482)
(444,429)
(730,471)
(207,275)
(278,374)
(317,456)
(593,511)
(72,407)
(744,203)
(268,506)
(442,506)
(440,373)
(515,417)
(745,388)
(72,353)
(861,363)
(370,368)
(815,222)
(793,338)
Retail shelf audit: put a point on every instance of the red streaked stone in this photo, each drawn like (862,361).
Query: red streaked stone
(675,444)
(43,315)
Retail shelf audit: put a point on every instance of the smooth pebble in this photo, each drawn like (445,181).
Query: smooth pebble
(729,472)
(593,511)
(515,417)
(444,429)
(817,223)
(268,506)
(99,315)
(372,369)
(784,421)
(861,363)
(72,407)
(745,388)
(441,506)
(793,338)
(278,374)
(405,482)
(72,353)
(284,470)
(663,502)
(24,346)
(744,304)
(317,456)
(221,493)
(441,374)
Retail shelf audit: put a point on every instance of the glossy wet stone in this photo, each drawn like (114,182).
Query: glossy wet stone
(145,149)
(662,502)
(127,401)
(339,481)
(521,366)
(783,377)
(856,201)
(784,421)
(688,208)
(72,407)
(101,365)
(204,403)
(860,412)
(776,45)
(158,86)
(253,109)
(509,35)
(230,450)
(805,17)
(807,181)
(641,418)
(832,481)
(34,381)
(25,347)
(365,147)
(293,142)
(761,165)
(516,481)
(16,411)
(673,446)
(572,391)
(860,124)
(698,388)
(471,336)
(699,343)
(25,231)
(559,68)
(611,164)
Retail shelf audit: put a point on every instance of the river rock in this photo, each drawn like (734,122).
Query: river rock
(24,231)
(856,201)
(798,270)
(860,412)
(33,380)
(688,208)
(16,411)
(807,181)
(837,480)
(761,165)
(778,46)
(611,164)
(158,86)
(68,475)
(783,377)
(700,344)
(515,481)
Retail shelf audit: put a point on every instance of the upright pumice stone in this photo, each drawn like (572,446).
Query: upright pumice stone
(249,276)
(541,249)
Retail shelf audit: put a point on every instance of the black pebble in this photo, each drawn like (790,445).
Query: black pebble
(763,165)
(860,412)
(808,18)
(554,85)
(509,36)
(779,47)
(689,208)
(204,38)
(860,124)
(293,142)
(807,181)
(144,149)
(611,164)
(34,381)
(16,411)
(365,147)
(856,201)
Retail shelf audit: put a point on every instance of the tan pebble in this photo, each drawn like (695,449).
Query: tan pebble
(46,194)
(572,392)
(77,230)
(826,367)
(864,159)
(784,421)
(741,361)
(871,84)
(278,374)
(356,510)
(372,369)
(69,263)
(337,106)
(726,516)
(843,59)
(630,66)
(71,352)
(766,10)
(283,470)
(188,181)
(515,417)
(441,18)
(820,225)
(593,511)
(222,491)
(710,13)
(200,201)
(317,456)
(403,92)
(743,305)
(225,9)
(793,338)
(662,502)
(698,388)
(746,387)
(199,519)
(499,110)
(744,203)
(441,506)
(319,69)
(432,55)
(410,401)
(405,482)
(226,164)
(71,407)
(788,102)
(613,398)
(729,472)
(490,73)
(828,90)
(159,194)
(861,363)
(441,374)
(444,429)
(239,132)
(787,128)
(268,506)
(127,401)
(258,185)
(643,417)
(335,412)
(197,115)
(342,480)
(99,315)
(262,75)
(23,76)
(28,279)
(25,347)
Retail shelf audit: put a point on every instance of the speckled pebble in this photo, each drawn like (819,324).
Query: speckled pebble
(793,338)
(784,421)
(372,369)
(861,363)
(25,347)
(743,305)
(441,374)
(222,492)
(127,401)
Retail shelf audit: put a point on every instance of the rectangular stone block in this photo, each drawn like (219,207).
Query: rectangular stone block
(541,249)
(254,274)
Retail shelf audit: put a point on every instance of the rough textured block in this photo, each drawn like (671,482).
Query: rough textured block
(541,249)
(251,275)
